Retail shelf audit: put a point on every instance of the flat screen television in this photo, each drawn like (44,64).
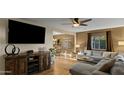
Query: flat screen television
(23,33)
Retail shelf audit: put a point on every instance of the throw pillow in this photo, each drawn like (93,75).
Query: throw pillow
(119,58)
(105,65)
(113,54)
(106,54)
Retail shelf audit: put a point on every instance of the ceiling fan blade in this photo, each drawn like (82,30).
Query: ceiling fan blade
(83,25)
(85,21)
(67,24)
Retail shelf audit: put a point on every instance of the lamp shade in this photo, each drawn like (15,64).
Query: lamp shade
(77,46)
(121,43)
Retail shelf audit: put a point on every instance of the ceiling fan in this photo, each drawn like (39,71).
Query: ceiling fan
(76,22)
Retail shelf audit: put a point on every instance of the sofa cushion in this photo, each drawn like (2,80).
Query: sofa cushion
(82,69)
(117,69)
(96,53)
(105,65)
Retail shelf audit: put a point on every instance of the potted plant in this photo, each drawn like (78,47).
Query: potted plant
(52,54)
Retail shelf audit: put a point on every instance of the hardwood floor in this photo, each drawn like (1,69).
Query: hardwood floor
(60,67)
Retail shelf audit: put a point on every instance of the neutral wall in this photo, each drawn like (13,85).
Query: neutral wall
(23,47)
(81,39)
(117,35)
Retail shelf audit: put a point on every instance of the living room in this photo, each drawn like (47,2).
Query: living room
(70,43)
(75,65)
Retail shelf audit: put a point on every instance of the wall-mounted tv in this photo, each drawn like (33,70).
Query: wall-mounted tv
(23,33)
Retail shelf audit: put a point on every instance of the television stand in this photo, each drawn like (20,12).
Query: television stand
(24,64)
(33,64)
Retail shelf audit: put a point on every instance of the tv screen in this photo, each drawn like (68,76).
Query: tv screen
(22,33)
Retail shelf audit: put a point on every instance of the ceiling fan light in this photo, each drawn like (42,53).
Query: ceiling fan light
(76,25)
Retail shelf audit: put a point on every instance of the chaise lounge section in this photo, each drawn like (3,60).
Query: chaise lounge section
(87,69)
(108,65)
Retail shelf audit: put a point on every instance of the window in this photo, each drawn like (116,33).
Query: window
(98,41)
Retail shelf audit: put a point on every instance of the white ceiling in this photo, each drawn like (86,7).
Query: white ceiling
(96,23)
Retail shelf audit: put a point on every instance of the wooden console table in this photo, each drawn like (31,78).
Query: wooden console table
(24,64)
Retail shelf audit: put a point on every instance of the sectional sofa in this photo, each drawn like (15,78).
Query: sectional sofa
(96,56)
(106,63)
